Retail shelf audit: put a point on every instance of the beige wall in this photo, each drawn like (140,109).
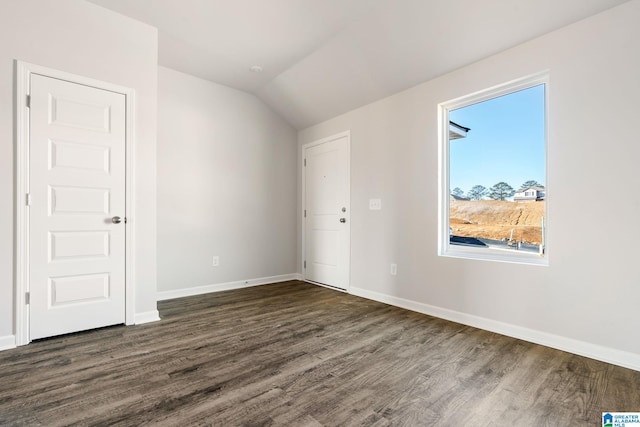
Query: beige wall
(80,38)
(226,187)
(587,299)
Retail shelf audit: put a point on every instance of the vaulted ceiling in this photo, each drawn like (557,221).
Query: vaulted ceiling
(321,58)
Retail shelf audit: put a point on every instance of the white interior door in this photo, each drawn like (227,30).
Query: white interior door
(77,189)
(327,212)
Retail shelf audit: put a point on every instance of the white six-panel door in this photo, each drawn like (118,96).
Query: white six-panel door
(327,212)
(77,189)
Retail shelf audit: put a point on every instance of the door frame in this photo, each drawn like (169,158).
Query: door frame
(23,72)
(321,141)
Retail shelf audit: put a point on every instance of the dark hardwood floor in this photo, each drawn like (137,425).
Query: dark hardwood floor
(295,354)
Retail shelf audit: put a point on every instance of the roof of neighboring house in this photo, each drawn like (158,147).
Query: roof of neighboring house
(456,131)
(454,197)
(531,188)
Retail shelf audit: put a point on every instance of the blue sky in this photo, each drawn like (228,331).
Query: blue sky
(505,143)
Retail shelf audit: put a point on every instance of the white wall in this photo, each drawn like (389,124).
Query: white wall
(587,299)
(226,187)
(84,39)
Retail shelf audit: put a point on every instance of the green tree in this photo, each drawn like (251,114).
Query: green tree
(457,192)
(477,192)
(529,184)
(501,191)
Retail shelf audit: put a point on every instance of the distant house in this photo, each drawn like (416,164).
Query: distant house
(530,194)
(454,198)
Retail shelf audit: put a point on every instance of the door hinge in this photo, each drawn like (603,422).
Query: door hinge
(305,213)
(305,162)
(27,199)
(27,298)
(305,263)
(28,101)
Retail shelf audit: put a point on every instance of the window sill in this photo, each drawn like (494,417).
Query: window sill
(494,254)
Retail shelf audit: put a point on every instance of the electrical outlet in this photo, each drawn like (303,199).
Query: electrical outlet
(393,269)
(375,204)
(216,261)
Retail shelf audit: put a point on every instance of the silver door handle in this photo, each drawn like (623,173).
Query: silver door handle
(116,220)
(343,219)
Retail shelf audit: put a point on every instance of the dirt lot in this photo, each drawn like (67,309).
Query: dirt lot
(492,219)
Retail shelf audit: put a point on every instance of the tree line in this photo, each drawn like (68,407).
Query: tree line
(500,191)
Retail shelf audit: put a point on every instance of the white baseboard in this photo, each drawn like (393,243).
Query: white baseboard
(146,317)
(199,290)
(8,342)
(581,348)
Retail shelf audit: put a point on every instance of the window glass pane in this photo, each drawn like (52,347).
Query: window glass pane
(497,173)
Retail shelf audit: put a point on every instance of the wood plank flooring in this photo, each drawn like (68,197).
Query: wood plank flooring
(294,354)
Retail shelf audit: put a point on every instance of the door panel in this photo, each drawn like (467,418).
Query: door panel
(70,245)
(77,184)
(327,220)
(77,289)
(78,201)
(70,155)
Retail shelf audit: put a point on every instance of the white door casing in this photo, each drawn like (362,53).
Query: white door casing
(327,211)
(73,161)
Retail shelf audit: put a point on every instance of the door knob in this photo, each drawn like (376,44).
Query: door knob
(343,219)
(116,220)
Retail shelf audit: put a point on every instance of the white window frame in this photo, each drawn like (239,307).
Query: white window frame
(467,252)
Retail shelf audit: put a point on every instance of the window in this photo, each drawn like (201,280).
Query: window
(493,186)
